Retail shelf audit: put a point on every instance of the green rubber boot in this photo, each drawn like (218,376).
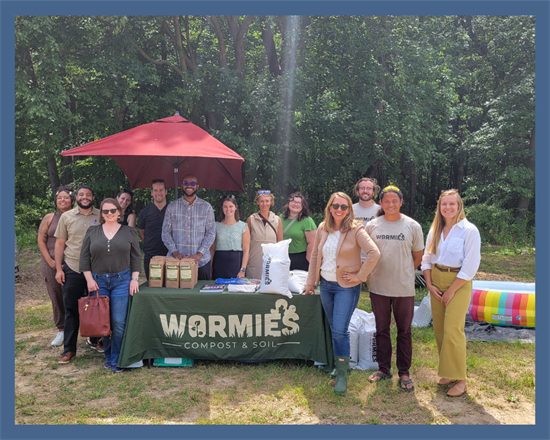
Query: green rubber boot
(342,364)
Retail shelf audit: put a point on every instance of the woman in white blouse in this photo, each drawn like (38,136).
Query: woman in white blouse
(450,262)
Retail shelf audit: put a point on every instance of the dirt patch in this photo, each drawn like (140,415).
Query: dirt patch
(484,276)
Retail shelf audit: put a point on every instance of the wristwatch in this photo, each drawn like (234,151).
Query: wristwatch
(243,269)
(135,279)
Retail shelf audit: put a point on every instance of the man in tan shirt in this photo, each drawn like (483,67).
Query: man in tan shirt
(70,233)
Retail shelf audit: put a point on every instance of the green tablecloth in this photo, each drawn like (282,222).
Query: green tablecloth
(184,323)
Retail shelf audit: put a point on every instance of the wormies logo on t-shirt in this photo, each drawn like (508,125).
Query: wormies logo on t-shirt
(400,237)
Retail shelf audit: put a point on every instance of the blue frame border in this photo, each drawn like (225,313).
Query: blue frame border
(9,9)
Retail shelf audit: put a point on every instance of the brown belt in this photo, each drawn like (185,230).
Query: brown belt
(447,269)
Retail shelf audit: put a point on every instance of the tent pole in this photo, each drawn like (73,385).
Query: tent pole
(176,184)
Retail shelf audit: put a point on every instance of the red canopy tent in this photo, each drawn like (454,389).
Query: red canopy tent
(166,147)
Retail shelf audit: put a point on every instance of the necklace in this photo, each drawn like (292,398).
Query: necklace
(111,233)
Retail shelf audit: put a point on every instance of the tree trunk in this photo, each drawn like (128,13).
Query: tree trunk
(271,52)
(53,174)
(238,31)
(66,174)
(523,204)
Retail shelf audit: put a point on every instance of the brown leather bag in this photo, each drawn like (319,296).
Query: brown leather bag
(95,316)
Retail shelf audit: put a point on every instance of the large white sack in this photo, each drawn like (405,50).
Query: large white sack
(423,314)
(354,329)
(297,281)
(366,341)
(275,268)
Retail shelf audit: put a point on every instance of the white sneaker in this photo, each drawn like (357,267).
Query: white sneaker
(58,340)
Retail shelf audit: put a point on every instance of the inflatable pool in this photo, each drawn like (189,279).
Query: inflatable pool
(503,303)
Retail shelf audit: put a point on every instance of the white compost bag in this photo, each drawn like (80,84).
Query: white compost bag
(275,268)
(423,314)
(297,281)
(366,342)
(354,329)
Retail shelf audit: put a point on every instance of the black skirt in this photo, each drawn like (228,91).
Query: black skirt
(299,261)
(227,264)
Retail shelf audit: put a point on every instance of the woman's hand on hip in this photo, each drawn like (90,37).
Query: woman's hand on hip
(134,287)
(310,289)
(436,293)
(350,278)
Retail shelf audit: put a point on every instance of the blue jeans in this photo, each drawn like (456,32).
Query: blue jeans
(117,287)
(339,304)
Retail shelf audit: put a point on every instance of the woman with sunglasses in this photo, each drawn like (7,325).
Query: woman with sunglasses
(125,200)
(391,284)
(265,227)
(336,264)
(64,200)
(300,228)
(451,260)
(110,260)
(232,244)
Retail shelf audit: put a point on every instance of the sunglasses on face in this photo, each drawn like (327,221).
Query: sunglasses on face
(189,183)
(335,206)
(107,211)
(264,192)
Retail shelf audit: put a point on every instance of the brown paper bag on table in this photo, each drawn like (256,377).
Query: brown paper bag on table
(157,271)
(172,273)
(189,273)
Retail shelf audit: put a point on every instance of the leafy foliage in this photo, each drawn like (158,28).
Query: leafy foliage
(311,103)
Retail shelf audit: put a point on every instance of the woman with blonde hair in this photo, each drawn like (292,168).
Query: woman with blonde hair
(336,264)
(265,227)
(451,260)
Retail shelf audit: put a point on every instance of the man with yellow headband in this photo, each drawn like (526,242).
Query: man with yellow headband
(401,243)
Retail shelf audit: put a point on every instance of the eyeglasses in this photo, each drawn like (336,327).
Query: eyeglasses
(107,211)
(190,183)
(365,188)
(296,202)
(336,206)
(391,187)
(262,192)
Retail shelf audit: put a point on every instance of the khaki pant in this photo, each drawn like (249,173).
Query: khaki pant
(448,324)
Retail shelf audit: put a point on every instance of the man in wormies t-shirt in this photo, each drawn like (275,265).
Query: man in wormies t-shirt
(401,242)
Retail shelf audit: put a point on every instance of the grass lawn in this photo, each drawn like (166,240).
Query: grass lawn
(501,378)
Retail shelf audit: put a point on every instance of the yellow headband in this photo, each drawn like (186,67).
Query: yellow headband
(395,188)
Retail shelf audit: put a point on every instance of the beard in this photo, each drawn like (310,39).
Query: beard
(83,206)
(365,198)
(190,195)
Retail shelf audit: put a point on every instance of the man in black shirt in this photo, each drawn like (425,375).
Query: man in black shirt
(150,224)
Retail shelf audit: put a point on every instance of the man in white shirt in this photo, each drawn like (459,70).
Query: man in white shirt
(365,210)
(365,190)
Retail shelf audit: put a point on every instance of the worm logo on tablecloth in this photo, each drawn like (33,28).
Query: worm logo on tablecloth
(241,326)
